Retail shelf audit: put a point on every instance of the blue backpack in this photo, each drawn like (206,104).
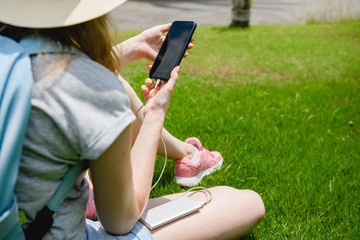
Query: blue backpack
(15,87)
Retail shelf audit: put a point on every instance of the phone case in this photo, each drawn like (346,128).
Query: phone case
(168,212)
(172,49)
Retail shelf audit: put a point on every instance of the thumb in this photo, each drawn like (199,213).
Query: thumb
(170,84)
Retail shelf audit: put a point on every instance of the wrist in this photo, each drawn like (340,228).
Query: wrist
(155,117)
(127,51)
(138,42)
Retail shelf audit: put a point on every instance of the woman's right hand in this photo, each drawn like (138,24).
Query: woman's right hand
(157,98)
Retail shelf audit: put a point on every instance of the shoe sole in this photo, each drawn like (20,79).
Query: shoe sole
(193,181)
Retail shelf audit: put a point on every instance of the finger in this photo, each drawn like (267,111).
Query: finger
(162,38)
(165,27)
(149,83)
(176,70)
(173,77)
(190,46)
(186,54)
(149,66)
(145,92)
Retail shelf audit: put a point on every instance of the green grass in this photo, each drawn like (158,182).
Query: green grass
(276,101)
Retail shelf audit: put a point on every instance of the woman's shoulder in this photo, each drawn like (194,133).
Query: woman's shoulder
(93,74)
(72,70)
(85,66)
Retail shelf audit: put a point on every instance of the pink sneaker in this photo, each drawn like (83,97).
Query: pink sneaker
(91,210)
(189,172)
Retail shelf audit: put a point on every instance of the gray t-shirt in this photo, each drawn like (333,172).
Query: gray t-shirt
(76,114)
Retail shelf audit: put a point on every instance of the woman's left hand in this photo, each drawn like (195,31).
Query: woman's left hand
(151,41)
(157,97)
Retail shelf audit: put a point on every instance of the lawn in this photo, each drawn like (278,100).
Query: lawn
(282,105)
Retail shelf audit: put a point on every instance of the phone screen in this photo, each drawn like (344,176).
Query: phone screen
(172,49)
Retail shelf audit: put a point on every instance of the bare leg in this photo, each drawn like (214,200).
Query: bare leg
(176,148)
(231,213)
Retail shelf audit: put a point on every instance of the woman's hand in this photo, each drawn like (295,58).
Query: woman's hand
(150,41)
(145,45)
(157,97)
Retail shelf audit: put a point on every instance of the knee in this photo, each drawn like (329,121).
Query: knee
(256,204)
(248,199)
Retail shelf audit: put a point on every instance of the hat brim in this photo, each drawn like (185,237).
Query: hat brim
(53,13)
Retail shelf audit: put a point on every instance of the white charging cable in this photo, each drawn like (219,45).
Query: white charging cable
(165,161)
(202,190)
(162,140)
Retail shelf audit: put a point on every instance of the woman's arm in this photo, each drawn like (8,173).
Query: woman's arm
(122,176)
(145,45)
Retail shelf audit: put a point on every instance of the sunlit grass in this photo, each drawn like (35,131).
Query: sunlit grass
(282,105)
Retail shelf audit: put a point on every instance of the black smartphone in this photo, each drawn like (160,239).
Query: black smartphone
(172,49)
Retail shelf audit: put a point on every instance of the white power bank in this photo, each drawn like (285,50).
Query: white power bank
(170,211)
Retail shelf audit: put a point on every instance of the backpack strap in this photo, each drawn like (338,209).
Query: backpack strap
(15,89)
(44,218)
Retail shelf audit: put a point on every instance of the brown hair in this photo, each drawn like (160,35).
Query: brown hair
(91,37)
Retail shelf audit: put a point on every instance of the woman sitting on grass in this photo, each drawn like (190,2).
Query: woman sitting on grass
(82,112)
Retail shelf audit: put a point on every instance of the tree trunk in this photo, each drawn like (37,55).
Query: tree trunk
(241,13)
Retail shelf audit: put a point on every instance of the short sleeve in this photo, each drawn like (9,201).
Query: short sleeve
(80,111)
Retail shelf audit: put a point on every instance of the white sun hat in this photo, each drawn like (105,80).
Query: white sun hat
(53,13)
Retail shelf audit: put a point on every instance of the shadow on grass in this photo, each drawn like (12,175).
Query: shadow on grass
(249,236)
(230,27)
